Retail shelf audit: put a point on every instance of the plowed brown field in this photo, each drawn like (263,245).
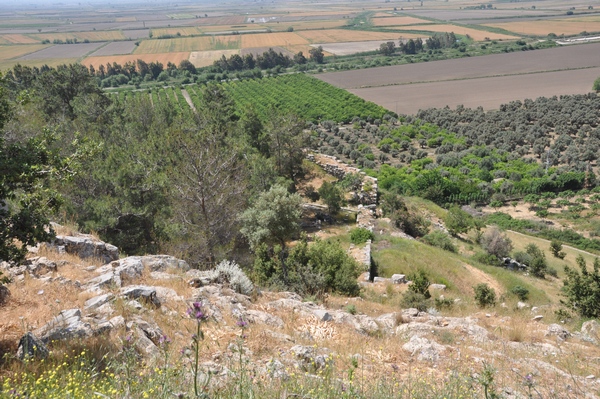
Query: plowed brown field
(488,93)
(340,35)
(559,58)
(19,39)
(486,81)
(475,34)
(8,52)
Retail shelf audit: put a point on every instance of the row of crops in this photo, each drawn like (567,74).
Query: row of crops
(301,94)
(304,95)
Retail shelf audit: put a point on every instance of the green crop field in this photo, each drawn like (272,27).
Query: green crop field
(306,96)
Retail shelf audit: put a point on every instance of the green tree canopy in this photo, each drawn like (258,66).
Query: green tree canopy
(331,194)
(273,218)
(29,165)
(458,221)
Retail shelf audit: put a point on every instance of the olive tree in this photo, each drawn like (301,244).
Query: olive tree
(272,220)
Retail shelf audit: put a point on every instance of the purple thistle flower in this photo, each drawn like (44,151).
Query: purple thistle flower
(164,340)
(242,323)
(197,311)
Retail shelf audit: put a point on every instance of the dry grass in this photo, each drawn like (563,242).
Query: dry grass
(339,36)
(10,52)
(272,39)
(183,31)
(164,58)
(556,26)
(184,44)
(206,58)
(125,19)
(19,39)
(52,62)
(308,25)
(478,35)
(93,36)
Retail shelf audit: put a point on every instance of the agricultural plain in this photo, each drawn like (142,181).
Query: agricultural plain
(481,81)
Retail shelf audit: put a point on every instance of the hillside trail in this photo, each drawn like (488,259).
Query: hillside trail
(548,241)
(483,277)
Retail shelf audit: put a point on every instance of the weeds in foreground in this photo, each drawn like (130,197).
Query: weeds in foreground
(80,375)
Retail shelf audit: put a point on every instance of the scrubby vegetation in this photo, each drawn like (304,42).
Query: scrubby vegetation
(219,184)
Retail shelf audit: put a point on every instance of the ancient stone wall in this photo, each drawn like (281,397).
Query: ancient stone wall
(367,195)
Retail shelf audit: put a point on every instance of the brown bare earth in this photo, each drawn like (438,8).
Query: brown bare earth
(486,81)
(488,93)
(560,58)
(115,48)
(340,35)
(357,47)
(63,51)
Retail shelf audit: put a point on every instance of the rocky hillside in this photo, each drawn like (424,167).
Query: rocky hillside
(78,290)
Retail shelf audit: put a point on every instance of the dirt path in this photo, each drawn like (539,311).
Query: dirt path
(482,277)
(548,241)
(187,97)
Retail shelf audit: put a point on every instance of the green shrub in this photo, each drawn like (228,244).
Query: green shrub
(496,243)
(441,240)
(522,257)
(351,309)
(538,266)
(311,193)
(332,197)
(360,235)
(323,267)
(583,290)
(484,295)
(444,303)
(420,284)
(486,259)
(410,221)
(520,292)
(458,221)
(556,248)
(412,299)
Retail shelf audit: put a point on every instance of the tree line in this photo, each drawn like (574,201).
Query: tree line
(414,46)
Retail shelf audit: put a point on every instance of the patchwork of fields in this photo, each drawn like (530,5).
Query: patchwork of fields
(203,36)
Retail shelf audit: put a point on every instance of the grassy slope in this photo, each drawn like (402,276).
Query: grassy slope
(458,271)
